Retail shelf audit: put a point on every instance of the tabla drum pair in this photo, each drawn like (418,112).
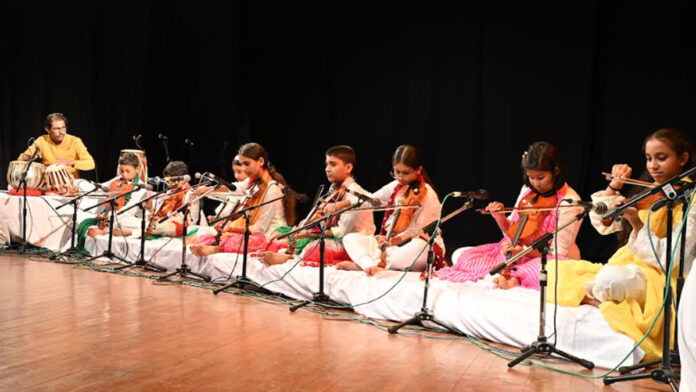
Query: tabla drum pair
(34,178)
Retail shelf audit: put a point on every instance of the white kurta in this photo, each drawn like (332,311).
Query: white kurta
(364,250)
(355,221)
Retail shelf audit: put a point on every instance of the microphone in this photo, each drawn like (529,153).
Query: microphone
(363,197)
(301,197)
(217,179)
(144,186)
(137,137)
(97,185)
(185,177)
(162,137)
(30,141)
(188,142)
(599,207)
(480,194)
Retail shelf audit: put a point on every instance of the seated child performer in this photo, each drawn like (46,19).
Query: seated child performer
(265,184)
(241,181)
(340,161)
(411,186)
(544,176)
(127,223)
(179,193)
(629,288)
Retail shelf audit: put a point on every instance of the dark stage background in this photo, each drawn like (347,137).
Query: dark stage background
(472,83)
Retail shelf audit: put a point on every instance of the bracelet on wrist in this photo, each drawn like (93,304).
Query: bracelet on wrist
(614,189)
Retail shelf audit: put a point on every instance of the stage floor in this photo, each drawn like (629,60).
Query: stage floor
(68,328)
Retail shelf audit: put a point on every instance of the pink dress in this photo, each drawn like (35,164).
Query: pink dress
(476,262)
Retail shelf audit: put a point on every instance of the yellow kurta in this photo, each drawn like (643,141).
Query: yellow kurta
(628,317)
(70,148)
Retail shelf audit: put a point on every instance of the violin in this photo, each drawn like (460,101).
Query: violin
(116,188)
(641,205)
(529,227)
(257,191)
(533,212)
(411,195)
(173,201)
(334,196)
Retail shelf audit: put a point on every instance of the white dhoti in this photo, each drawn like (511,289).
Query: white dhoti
(364,251)
(618,283)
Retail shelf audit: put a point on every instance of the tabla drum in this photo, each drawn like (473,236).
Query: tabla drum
(58,179)
(142,163)
(34,178)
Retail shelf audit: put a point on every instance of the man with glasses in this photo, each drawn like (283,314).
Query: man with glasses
(59,147)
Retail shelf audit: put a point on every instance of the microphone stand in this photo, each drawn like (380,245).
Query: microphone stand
(241,281)
(425,314)
(112,207)
(184,270)
(73,252)
(665,373)
(165,143)
(23,184)
(541,345)
(141,262)
(320,297)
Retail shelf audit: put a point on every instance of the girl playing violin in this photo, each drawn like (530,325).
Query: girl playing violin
(544,176)
(411,188)
(127,223)
(629,288)
(265,184)
(340,161)
(178,194)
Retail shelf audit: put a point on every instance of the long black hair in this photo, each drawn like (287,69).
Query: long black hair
(256,151)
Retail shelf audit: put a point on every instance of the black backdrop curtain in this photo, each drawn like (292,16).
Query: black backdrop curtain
(471,83)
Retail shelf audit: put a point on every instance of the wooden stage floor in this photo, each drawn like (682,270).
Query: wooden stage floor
(73,329)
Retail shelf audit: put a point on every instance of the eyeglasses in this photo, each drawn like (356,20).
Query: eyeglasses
(396,174)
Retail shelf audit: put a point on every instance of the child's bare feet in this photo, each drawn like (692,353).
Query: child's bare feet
(272,258)
(374,270)
(348,266)
(504,283)
(204,250)
(94,231)
(122,233)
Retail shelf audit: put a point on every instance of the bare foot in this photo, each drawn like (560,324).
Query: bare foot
(122,233)
(272,258)
(94,231)
(374,270)
(502,282)
(590,301)
(348,266)
(204,250)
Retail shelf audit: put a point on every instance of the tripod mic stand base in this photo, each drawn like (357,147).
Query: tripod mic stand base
(663,375)
(144,265)
(418,321)
(644,365)
(109,255)
(541,346)
(321,299)
(185,272)
(243,283)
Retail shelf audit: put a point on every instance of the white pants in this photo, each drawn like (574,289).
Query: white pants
(687,335)
(618,283)
(364,251)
